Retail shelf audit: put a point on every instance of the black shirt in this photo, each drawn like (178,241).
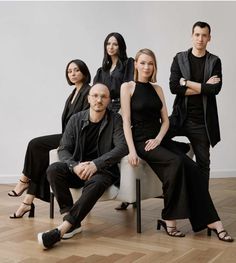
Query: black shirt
(195,111)
(92,131)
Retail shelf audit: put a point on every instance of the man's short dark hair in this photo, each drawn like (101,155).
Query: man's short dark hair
(202,25)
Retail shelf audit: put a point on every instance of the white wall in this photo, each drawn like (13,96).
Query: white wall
(38,39)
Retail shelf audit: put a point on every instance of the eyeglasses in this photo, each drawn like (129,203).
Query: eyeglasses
(97,96)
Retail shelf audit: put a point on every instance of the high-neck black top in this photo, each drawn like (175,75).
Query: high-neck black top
(145,112)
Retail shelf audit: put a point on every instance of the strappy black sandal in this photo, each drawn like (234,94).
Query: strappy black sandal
(30,211)
(173,230)
(226,237)
(13,193)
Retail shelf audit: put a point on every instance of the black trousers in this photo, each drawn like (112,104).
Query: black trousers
(201,207)
(185,189)
(61,179)
(197,135)
(36,163)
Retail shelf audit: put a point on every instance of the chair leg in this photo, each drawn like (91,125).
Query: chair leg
(51,205)
(138,203)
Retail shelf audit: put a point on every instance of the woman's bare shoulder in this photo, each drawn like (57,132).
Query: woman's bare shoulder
(157,88)
(128,86)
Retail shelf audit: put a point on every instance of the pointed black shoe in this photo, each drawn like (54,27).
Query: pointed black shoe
(48,239)
(124,205)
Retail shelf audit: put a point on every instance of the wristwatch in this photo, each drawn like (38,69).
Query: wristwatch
(184,83)
(71,167)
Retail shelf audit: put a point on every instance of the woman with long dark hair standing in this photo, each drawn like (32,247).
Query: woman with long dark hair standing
(116,67)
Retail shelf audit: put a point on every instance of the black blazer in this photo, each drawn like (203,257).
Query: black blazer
(80,103)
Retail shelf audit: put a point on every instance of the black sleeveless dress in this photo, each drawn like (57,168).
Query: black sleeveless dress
(145,108)
(185,194)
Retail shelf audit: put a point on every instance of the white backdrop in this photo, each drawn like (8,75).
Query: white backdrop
(38,39)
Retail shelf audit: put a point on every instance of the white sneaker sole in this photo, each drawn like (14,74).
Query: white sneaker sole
(71,234)
(40,240)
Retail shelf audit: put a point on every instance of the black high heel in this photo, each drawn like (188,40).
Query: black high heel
(223,238)
(124,205)
(173,233)
(30,211)
(13,193)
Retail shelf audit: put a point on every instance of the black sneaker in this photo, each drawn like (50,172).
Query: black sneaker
(72,231)
(49,238)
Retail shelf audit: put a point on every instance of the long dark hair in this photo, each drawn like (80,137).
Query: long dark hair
(83,68)
(106,63)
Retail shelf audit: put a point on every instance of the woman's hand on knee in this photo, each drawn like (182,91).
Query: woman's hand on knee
(151,144)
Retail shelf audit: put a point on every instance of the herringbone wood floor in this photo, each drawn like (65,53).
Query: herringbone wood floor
(110,236)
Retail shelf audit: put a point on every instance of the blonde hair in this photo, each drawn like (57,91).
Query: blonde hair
(150,53)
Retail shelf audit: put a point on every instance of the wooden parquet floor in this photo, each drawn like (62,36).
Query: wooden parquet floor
(110,236)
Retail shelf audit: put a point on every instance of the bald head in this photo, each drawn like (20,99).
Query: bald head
(98,88)
(99,97)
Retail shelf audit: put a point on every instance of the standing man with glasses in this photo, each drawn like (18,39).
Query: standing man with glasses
(196,79)
(92,145)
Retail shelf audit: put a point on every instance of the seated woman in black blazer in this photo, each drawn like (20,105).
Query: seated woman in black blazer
(34,176)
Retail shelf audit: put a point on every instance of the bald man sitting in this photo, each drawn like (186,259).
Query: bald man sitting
(92,145)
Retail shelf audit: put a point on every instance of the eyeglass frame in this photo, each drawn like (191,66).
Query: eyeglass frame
(96,96)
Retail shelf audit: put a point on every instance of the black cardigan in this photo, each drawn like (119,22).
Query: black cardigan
(181,68)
